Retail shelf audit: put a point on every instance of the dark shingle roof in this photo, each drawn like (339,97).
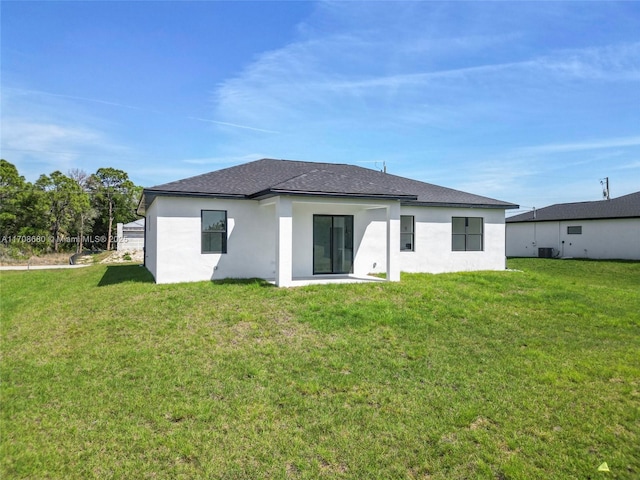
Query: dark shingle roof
(268,177)
(621,207)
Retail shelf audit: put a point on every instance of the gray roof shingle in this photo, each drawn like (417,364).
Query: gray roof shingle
(621,207)
(136,224)
(268,177)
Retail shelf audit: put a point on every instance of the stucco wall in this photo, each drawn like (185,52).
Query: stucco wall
(250,244)
(432,245)
(174,246)
(600,239)
(432,254)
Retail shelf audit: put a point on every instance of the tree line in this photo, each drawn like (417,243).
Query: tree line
(64,213)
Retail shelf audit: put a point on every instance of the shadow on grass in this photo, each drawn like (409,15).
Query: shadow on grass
(116,274)
(259,282)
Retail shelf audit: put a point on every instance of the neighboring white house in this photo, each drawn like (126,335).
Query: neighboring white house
(604,229)
(290,220)
(130,236)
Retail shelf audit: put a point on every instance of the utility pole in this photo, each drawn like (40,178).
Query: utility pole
(605,188)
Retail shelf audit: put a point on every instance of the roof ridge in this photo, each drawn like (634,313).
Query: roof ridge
(299,161)
(584,202)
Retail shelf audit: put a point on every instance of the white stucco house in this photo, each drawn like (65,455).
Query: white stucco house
(291,221)
(603,229)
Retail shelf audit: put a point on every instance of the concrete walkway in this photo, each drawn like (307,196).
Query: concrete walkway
(327,279)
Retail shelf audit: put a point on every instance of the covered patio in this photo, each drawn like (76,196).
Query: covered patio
(289,240)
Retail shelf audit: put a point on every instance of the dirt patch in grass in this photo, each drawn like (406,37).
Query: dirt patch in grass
(480,423)
(124,257)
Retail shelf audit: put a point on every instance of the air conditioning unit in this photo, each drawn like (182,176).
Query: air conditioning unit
(545,252)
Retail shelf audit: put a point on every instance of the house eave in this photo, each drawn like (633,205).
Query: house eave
(148,196)
(459,205)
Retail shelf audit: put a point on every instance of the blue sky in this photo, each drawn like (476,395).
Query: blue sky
(529,102)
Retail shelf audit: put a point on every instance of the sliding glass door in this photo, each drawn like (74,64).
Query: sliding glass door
(332,244)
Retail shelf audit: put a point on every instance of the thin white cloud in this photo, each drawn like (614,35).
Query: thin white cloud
(227,124)
(619,62)
(362,75)
(36,136)
(40,93)
(364,81)
(494,179)
(273,70)
(632,141)
(629,166)
(42,133)
(42,147)
(24,91)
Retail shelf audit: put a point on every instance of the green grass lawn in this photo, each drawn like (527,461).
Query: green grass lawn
(500,375)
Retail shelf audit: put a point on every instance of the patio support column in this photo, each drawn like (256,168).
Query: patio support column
(393,242)
(284,241)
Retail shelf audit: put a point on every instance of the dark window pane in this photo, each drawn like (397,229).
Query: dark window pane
(213,242)
(474,243)
(322,244)
(474,225)
(214,231)
(458,225)
(214,221)
(406,241)
(406,223)
(458,244)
